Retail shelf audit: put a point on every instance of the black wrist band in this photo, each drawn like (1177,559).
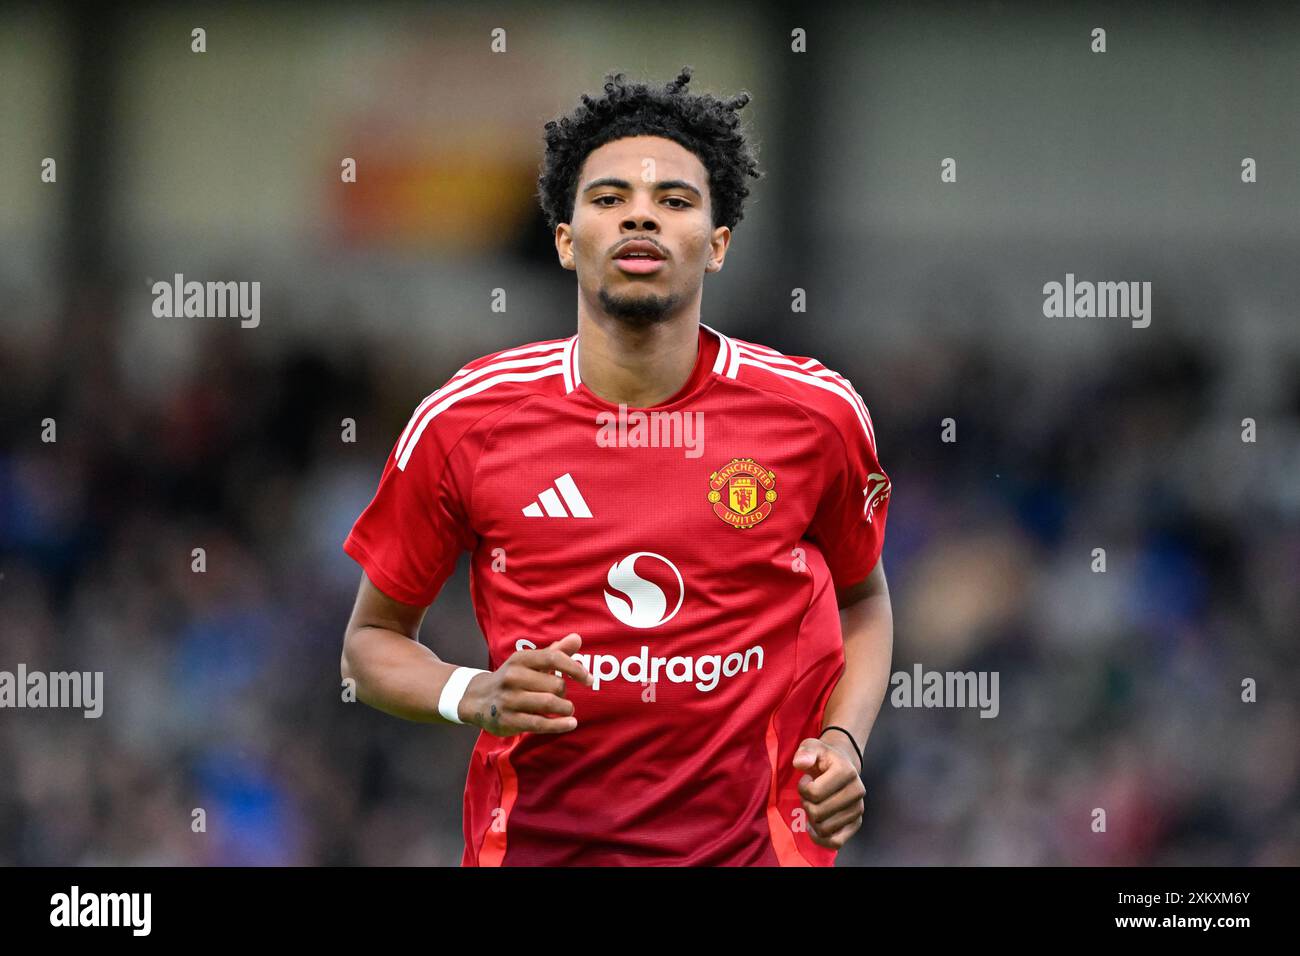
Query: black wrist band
(856,748)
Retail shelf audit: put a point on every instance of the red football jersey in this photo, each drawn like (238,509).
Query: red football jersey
(695,546)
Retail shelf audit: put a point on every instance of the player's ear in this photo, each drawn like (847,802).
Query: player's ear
(718,244)
(564,245)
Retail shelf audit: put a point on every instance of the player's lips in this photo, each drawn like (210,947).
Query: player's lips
(639,257)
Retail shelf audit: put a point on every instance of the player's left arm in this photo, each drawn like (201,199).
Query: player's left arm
(850,527)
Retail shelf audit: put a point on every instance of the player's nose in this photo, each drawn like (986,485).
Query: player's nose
(641,215)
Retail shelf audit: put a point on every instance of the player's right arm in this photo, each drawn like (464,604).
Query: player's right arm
(407,542)
(395,673)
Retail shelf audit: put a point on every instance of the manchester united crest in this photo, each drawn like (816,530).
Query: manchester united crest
(742,492)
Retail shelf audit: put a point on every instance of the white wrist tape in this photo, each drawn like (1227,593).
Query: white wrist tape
(454,690)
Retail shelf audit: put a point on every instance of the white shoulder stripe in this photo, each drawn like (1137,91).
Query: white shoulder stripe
(813,367)
(753,349)
(511,353)
(404,455)
(460,380)
(827,384)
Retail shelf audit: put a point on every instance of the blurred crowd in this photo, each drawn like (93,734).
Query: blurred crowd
(224,738)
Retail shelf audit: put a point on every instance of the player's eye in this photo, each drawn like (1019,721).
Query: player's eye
(684,203)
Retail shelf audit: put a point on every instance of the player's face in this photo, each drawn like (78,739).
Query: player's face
(654,193)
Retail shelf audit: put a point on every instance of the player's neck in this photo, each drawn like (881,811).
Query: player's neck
(638,367)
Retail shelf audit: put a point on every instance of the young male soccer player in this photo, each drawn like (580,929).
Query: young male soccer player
(675,539)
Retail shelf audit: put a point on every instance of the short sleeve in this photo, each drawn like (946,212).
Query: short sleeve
(849,524)
(410,536)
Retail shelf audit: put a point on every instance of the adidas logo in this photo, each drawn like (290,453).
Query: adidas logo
(550,501)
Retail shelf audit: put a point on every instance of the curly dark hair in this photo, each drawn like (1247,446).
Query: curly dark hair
(708,127)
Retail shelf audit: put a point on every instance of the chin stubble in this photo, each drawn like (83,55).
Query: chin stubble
(640,310)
